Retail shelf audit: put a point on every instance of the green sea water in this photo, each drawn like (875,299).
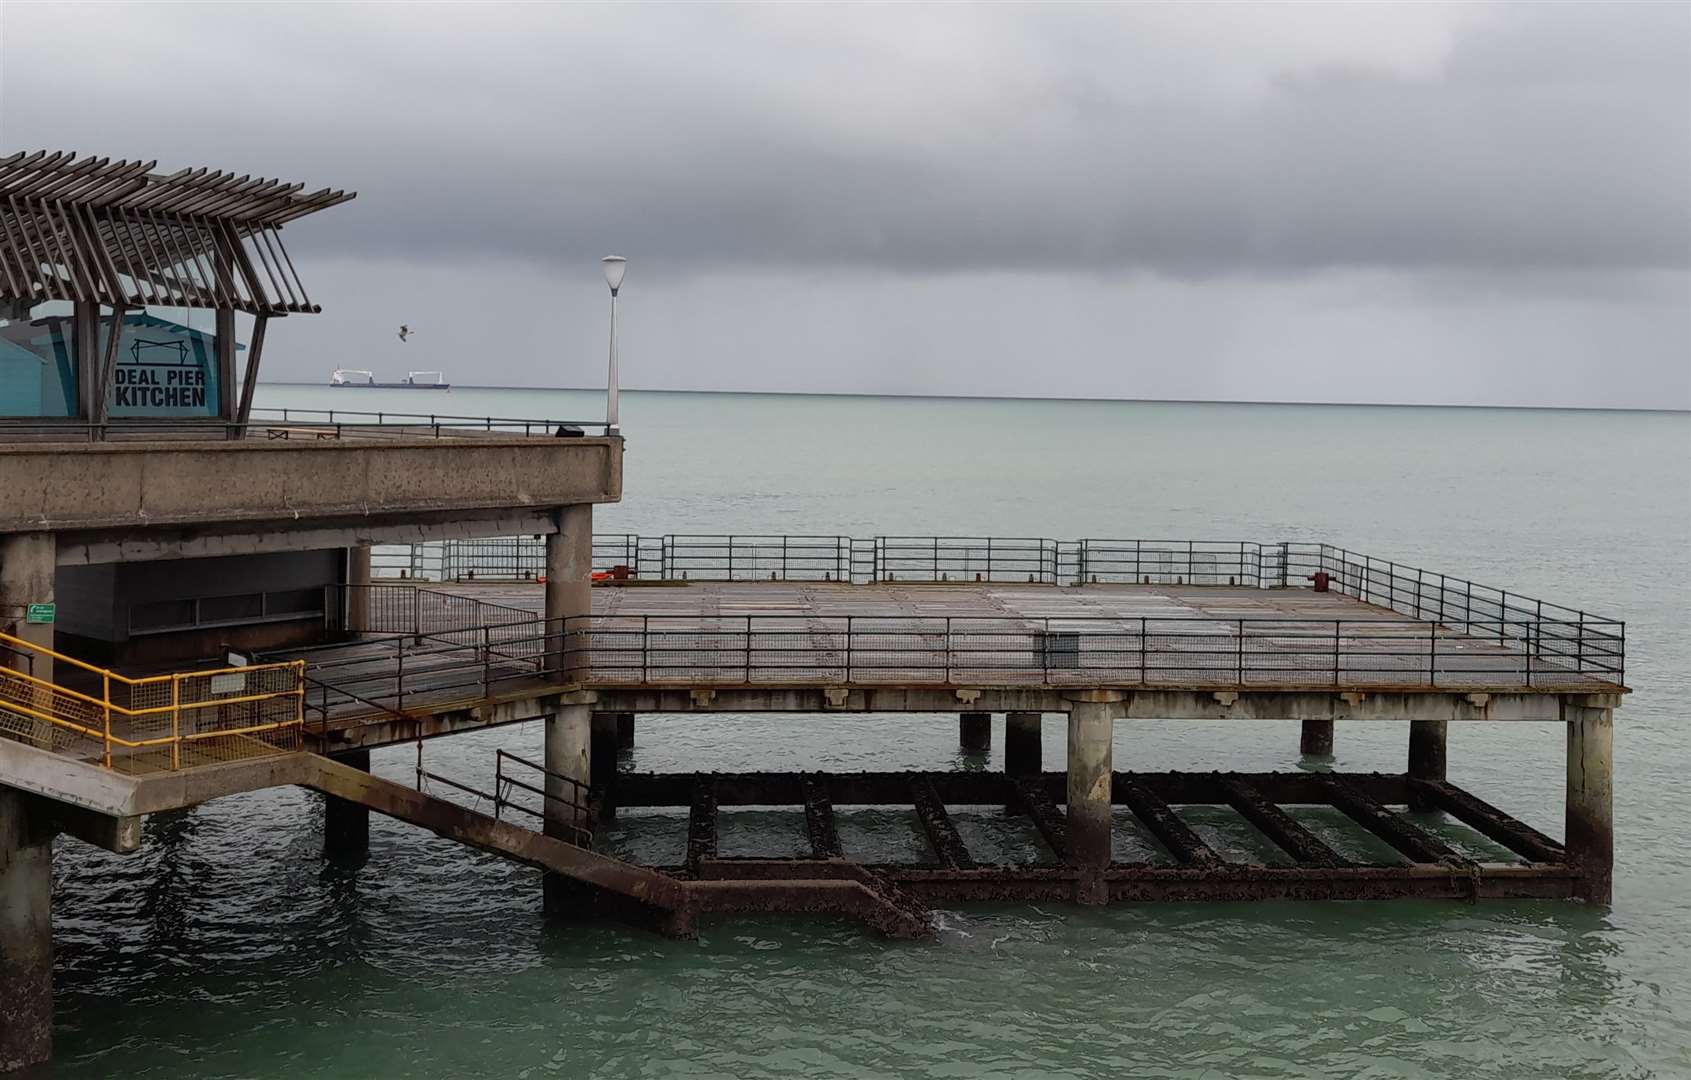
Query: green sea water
(228,948)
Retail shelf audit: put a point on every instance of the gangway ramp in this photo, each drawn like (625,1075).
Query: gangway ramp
(647,895)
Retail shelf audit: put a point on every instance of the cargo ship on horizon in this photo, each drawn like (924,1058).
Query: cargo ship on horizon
(413,380)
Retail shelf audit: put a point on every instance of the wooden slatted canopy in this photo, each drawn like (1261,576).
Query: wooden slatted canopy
(117,233)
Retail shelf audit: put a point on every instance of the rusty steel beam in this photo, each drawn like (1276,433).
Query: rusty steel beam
(1411,842)
(701,823)
(942,834)
(979,788)
(1522,839)
(1277,825)
(1236,882)
(1164,823)
(819,819)
(1032,798)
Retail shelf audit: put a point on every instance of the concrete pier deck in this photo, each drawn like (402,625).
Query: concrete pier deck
(912,647)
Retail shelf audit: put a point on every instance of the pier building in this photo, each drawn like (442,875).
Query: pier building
(195,606)
(156,527)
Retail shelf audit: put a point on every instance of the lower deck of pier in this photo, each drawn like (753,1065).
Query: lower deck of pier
(1326,836)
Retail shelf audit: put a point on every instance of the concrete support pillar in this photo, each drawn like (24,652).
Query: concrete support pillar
(1021,743)
(625,731)
(1091,734)
(346,825)
(1317,738)
(569,583)
(358,589)
(1590,822)
(567,755)
(974,732)
(1426,758)
(26,934)
(602,760)
(27,565)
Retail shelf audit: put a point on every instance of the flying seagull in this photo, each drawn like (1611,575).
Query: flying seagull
(404,332)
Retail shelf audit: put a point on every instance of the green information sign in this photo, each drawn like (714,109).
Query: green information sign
(41,613)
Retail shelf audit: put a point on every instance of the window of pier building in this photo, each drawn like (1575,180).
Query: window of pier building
(38,369)
(165,365)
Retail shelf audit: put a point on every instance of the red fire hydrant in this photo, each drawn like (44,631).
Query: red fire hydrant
(1321,579)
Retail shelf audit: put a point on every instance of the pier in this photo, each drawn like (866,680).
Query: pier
(1186,630)
(203,598)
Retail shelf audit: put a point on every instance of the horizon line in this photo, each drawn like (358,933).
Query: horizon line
(1084,400)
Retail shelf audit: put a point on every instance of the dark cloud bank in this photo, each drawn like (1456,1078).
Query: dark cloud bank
(1462,203)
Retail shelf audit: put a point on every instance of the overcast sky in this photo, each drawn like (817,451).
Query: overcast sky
(1472,204)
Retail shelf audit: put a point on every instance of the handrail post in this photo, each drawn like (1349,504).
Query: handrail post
(1432,654)
(645,647)
(106,700)
(848,649)
(1045,653)
(947,653)
(1335,652)
(1143,626)
(1526,633)
(1241,653)
(176,721)
(748,678)
(299,703)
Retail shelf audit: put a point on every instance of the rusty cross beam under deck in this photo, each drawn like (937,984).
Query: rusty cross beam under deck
(819,819)
(1032,799)
(942,834)
(1434,869)
(1414,844)
(701,823)
(1277,825)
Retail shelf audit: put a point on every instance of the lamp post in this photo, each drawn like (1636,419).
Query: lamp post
(615,266)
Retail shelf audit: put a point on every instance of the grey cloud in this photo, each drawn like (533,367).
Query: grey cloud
(1365,202)
(941,140)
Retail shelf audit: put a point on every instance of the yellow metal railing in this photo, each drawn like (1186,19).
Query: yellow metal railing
(159,722)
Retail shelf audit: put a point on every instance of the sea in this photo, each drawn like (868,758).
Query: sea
(228,947)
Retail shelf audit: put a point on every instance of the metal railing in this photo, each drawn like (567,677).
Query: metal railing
(157,723)
(352,423)
(1447,631)
(1151,651)
(294,424)
(862,560)
(568,811)
(1260,652)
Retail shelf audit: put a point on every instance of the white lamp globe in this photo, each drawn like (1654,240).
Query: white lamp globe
(614,266)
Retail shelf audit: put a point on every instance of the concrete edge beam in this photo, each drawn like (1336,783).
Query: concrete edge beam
(1136,704)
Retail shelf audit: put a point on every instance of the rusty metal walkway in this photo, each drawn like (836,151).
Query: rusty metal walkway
(1488,855)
